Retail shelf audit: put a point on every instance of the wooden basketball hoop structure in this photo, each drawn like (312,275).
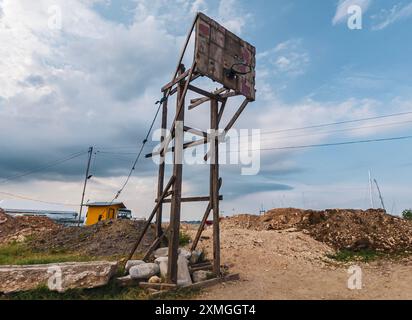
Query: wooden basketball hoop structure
(228,60)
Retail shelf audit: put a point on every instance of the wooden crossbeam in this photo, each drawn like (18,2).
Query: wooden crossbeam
(149,220)
(205,93)
(155,245)
(197,102)
(176,80)
(193,199)
(194,131)
(237,115)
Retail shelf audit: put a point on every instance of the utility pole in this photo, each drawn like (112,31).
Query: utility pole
(86,178)
(370,190)
(380,195)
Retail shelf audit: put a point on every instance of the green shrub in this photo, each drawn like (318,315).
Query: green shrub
(407,214)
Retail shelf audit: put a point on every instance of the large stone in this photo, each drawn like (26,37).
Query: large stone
(161,252)
(195,256)
(183,274)
(155,279)
(201,275)
(162,262)
(57,277)
(185,253)
(132,263)
(144,271)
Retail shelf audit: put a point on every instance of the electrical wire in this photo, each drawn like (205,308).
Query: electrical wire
(144,142)
(36,200)
(39,169)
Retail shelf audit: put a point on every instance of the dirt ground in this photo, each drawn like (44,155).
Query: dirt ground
(285,265)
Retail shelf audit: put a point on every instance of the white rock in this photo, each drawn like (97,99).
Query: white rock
(132,263)
(58,277)
(161,252)
(201,275)
(155,279)
(162,262)
(195,256)
(183,274)
(185,253)
(144,271)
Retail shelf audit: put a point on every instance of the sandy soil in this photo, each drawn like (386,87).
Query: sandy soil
(291,265)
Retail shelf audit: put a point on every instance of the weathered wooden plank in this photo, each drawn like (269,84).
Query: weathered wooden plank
(214,186)
(160,184)
(149,220)
(213,282)
(237,115)
(174,225)
(192,199)
(157,286)
(197,132)
(197,102)
(205,93)
(176,80)
(203,223)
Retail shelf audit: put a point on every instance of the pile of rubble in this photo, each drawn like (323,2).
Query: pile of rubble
(190,269)
(105,239)
(339,228)
(17,229)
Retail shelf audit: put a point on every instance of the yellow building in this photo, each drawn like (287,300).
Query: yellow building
(101,211)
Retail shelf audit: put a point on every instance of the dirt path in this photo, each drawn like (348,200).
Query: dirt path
(291,265)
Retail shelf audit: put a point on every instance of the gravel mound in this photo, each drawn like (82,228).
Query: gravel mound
(340,228)
(105,239)
(17,229)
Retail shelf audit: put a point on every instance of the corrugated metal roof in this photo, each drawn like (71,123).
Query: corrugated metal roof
(105,204)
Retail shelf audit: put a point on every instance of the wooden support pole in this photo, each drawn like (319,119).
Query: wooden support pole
(160,184)
(177,188)
(149,220)
(214,185)
(203,223)
(221,111)
(155,245)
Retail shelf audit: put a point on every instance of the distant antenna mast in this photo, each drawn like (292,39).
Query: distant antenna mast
(370,190)
(380,194)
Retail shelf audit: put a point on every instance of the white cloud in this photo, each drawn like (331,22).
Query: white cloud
(343,6)
(393,15)
(287,58)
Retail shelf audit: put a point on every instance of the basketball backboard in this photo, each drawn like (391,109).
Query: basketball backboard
(224,57)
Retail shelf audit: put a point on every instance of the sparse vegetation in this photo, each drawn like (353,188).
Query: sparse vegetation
(22,254)
(359,256)
(110,292)
(407,214)
(184,239)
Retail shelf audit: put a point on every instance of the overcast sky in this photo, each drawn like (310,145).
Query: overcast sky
(94,82)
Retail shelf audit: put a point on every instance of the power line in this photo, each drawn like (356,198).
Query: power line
(340,122)
(36,200)
(331,144)
(317,126)
(295,136)
(50,165)
(391,124)
(144,142)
